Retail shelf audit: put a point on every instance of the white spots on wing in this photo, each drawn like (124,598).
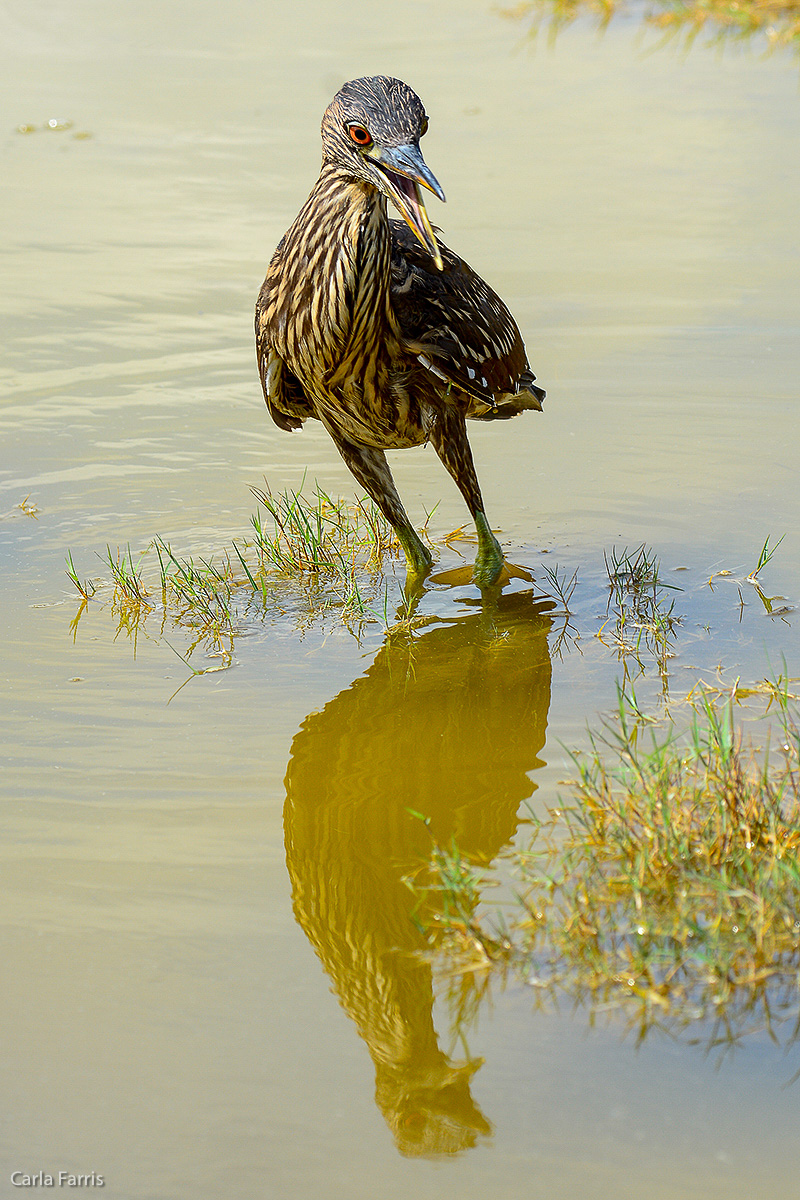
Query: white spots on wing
(426,362)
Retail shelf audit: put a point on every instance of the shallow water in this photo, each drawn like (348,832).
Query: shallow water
(209,985)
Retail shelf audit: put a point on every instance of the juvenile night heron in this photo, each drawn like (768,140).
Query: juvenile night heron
(375,328)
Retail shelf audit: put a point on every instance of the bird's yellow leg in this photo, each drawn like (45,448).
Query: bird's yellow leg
(371,469)
(489,561)
(449,439)
(418,557)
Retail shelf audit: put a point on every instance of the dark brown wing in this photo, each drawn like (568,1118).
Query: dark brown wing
(470,340)
(288,404)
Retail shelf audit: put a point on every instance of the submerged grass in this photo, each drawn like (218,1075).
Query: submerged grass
(314,560)
(668,881)
(641,619)
(307,557)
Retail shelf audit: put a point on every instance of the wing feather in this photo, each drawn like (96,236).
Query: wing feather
(467,336)
(285,397)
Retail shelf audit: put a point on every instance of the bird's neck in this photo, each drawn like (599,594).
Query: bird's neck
(358,263)
(330,314)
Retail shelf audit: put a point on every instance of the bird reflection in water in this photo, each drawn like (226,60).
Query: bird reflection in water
(450,726)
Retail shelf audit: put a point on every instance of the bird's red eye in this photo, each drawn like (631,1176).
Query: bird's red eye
(360,135)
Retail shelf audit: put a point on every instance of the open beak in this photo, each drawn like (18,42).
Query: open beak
(403,169)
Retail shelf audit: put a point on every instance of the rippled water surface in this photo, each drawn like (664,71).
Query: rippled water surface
(210,980)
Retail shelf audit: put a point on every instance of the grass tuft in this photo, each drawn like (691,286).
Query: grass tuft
(86,587)
(320,535)
(129,587)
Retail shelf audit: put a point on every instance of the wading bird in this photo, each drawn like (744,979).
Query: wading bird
(375,328)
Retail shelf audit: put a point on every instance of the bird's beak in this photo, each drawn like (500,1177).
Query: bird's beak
(403,169)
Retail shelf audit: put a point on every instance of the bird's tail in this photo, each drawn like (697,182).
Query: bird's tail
(536,395)
(530,396)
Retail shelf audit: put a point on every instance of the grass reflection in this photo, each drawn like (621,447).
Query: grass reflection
(719,21)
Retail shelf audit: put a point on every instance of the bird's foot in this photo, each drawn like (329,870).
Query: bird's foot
(462,576)
(419,561)
(489,572)
(489,562)
(414,586)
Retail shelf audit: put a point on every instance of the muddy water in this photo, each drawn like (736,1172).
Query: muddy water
(209,980)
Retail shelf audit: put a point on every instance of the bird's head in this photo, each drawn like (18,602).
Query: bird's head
(371,129)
